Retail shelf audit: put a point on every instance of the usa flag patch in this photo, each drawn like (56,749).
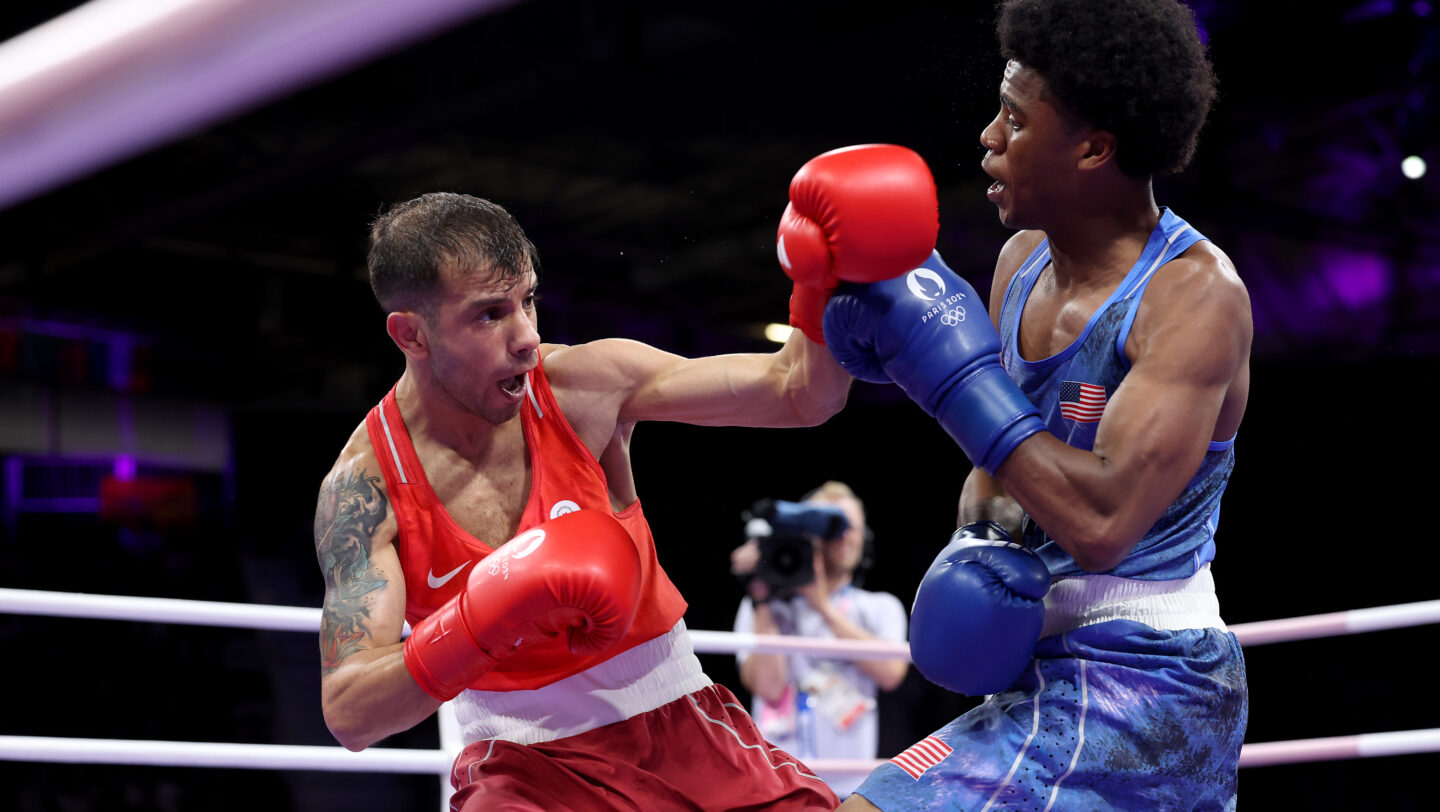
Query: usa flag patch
(921,756)
(1082,402)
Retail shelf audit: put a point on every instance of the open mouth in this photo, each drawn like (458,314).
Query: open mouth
(997,187)
(513,386)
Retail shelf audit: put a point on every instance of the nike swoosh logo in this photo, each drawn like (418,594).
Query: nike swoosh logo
(436,583)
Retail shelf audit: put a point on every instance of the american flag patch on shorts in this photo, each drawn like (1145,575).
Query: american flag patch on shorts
(921,756)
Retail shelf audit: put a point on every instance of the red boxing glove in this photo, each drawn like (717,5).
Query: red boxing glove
(578,574)
(857,214)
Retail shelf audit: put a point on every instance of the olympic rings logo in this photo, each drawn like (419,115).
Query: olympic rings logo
(953,316)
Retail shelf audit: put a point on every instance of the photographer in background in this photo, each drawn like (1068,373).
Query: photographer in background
(810,707)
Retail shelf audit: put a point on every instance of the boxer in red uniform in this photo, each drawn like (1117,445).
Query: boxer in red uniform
(488,500)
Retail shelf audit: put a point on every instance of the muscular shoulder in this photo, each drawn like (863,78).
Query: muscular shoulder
(592,382)
(1014,253)
(605,364)
(1200,281)
(600,376)
(1197,298)
(357,453)
(592,365)
(353,494)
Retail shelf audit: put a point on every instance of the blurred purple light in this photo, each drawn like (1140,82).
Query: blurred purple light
(122,347)
(1370,10)
(1360,280)
(1203,10)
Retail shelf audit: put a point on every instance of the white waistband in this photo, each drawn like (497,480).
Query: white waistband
(1084,600)
(640,679)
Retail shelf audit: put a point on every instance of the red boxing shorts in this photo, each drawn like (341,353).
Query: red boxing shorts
(699,752)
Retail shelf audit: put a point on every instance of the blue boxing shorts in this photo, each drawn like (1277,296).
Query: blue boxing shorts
(1113,716)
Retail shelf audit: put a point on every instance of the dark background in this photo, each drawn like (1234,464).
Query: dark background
(646,149)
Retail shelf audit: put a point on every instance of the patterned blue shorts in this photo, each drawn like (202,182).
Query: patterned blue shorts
(1114,716)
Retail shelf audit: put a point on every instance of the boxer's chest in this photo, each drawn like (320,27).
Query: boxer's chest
(1054,316)
(486,499)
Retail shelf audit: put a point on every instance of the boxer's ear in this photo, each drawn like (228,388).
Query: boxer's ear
(1096,150)
(410,332)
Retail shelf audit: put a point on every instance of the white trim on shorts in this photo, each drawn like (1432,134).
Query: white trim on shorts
(1084,600)
(640,679)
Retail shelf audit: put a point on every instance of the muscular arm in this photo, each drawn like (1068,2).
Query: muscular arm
(366,692)
(1188,381)
(798,385)
(982,498)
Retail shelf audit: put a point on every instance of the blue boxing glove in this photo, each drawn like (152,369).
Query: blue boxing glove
(978,612)
(928,332)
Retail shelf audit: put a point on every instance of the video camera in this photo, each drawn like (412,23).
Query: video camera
(783,531)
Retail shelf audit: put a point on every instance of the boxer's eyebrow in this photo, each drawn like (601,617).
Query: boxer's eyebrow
(1010,103)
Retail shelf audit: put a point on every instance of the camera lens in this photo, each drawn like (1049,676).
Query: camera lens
(786,561)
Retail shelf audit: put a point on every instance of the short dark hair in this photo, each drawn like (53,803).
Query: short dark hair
(411,241)
(1135,68)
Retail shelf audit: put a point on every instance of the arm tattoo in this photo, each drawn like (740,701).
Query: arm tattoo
(349,510)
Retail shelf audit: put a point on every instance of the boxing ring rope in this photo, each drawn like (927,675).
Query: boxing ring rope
(335,758)
(155,753)
(303,619)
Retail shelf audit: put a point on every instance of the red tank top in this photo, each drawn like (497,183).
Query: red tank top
(435,552)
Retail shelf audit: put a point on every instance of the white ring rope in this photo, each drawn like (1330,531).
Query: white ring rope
(1335,624)
(1335,748)
(377,759)
(230,756)
(301,619)
(159,610)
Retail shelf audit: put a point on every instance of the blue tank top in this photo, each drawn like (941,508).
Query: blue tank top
(1071,389)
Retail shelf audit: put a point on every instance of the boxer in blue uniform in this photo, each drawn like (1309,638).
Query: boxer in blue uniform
(1100,411)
